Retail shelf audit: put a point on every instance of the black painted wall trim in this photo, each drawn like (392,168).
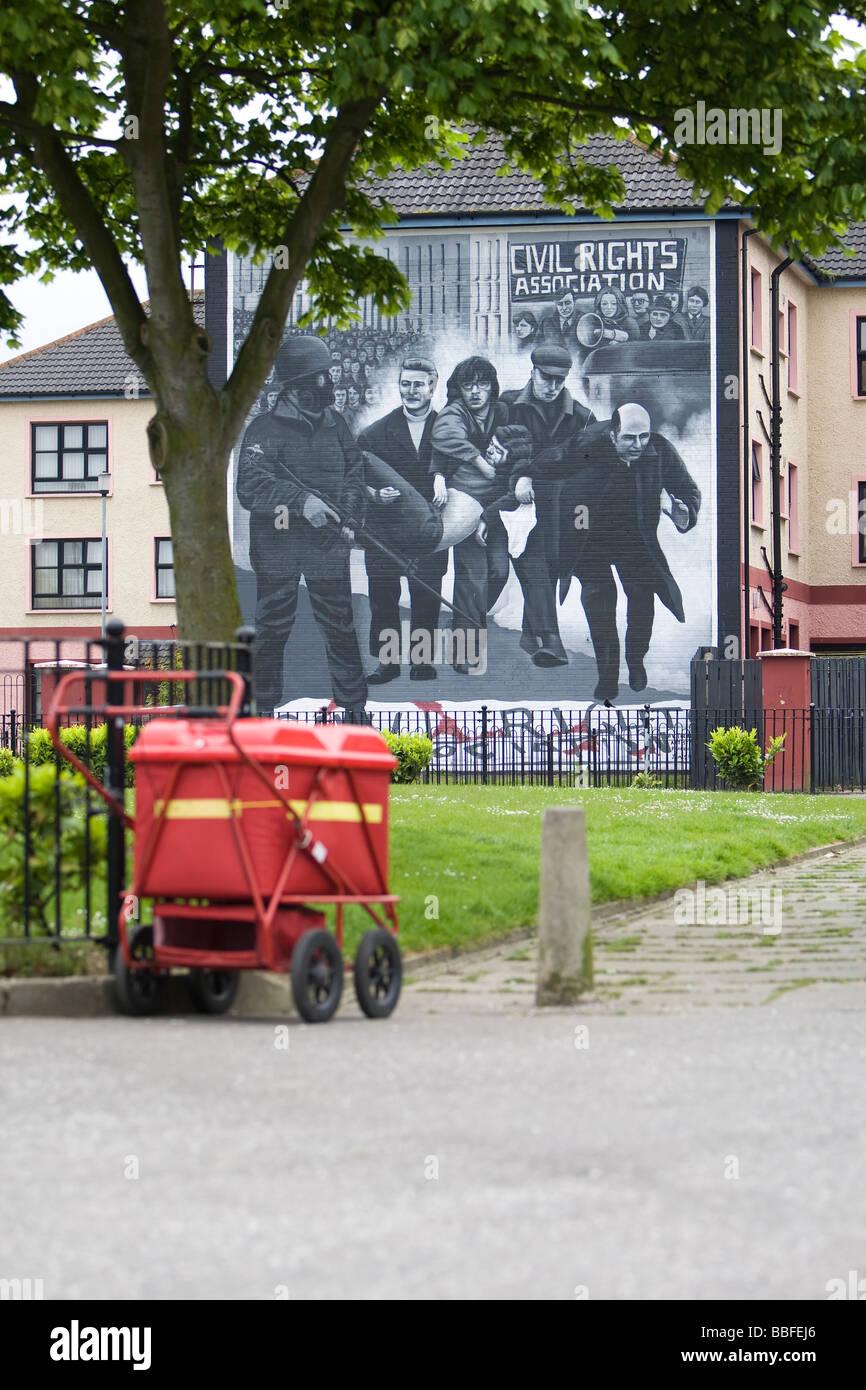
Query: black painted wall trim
(728,434)
(216,303)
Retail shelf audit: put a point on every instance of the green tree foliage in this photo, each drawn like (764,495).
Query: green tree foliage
(149,129)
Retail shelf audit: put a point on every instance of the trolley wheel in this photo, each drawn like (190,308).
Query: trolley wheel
(213,991)
(139,992)
(378,973)
(317,976)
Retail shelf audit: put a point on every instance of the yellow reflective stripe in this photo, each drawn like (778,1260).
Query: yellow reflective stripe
(340,810)
(218,808)
(195,808)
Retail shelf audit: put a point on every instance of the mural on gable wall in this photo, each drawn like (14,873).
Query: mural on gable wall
(506,494)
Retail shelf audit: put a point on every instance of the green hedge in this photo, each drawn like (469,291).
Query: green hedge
(90,751)
(32,821)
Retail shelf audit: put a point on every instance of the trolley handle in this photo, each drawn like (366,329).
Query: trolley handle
(59,707)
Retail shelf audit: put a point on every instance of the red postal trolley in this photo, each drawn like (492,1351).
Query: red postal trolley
(243,830)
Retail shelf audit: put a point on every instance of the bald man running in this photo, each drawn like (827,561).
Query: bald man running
(610,512)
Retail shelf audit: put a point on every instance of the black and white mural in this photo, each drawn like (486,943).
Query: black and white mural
(506,494)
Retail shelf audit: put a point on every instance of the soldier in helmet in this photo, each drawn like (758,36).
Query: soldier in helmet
(300,471)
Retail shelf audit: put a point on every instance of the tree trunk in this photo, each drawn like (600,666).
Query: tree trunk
(188,447)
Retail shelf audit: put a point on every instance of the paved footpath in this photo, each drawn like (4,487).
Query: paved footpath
(651,1142)
(744,942)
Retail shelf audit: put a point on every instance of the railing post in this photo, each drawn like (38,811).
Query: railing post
(115,777)
(245,637)
(484,745)
(785,686)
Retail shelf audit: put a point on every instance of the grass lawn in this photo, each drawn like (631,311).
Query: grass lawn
(465,859)
(471,853)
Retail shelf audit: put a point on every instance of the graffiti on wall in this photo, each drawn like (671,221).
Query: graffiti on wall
(507,493)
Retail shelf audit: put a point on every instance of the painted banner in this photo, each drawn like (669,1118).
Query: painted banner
(544,269)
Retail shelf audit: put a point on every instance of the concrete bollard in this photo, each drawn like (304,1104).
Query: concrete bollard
(564,914)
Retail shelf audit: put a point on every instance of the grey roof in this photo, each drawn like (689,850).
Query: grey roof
(472,186)
(90,362)
(835,264)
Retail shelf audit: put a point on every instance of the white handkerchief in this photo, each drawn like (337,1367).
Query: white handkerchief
(518,524)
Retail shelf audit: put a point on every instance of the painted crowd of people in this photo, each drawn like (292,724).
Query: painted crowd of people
(361,368)
(615,317)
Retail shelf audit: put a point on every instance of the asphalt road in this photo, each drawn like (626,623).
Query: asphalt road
(439,1155)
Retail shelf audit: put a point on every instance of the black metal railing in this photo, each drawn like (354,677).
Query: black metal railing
(824,749)
(63,857)
(593,747)
(62,854)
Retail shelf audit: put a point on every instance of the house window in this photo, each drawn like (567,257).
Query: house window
(793,349)
(861,522)
(757,485)
(69,457)
(860,355)
(793,509)
(164,562)
(794,636)
(67,574)
(757,311)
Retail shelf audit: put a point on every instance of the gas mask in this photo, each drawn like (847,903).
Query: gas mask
(313,393)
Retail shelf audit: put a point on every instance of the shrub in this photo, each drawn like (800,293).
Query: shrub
(87,745)
(40,749)
(738,757)
(413,752)
(90,751)
(7,762)
(37,815)
(646,781)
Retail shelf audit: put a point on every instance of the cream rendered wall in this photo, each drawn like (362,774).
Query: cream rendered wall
(837,432)
(136,513)
(796,287)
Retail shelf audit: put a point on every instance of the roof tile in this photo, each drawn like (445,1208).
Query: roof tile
(91,361)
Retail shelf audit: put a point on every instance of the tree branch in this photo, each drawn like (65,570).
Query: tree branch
(13,117)
(77,205)
(323,196)
(147,69)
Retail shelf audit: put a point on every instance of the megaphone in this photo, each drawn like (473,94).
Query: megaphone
(590,330)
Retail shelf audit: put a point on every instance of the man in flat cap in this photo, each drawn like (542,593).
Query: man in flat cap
(300,474)
(554,420)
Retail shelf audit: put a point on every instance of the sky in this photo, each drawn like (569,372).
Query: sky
(73,300)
